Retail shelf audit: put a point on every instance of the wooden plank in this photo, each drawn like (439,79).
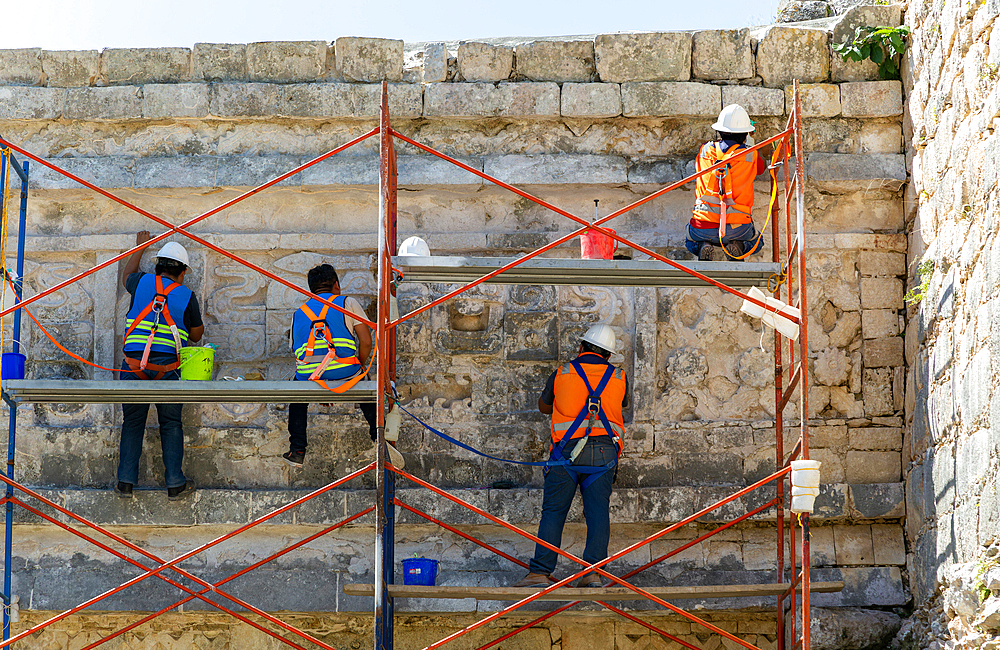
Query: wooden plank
(572,593)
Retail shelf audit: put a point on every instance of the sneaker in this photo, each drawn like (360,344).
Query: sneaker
(734,250)
(590,581)
(181,491)
(294,458)
(123,490)
(705,252)
(539,580)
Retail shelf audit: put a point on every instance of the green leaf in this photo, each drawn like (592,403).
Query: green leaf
(865,51)
(897,43)
(876,53)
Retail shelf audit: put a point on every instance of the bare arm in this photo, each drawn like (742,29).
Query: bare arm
(196,333)
(546,409)
(132,263)
(364,342)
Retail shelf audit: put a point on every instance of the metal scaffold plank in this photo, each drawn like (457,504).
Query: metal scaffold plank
(555,271)
(32,391)
(574,593)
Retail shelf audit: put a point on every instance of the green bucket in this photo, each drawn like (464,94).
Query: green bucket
(196,363)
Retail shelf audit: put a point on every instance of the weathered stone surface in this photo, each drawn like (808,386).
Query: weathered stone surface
(876,438)
(594,100)
(873,467)
(21,67)
(845,627)
(219,62)
(794,11)
(887,540)
(487,100)
(863,586)
(756,101)
(647,99)
(285,61)
(879,263)
(787,53)
(840,172)
(25,103)
(877,500)
(146,65)
(548,169)
(435,68)
(161,101)
(843,30)
(485,62)
(818,100)
(722,54)
(872,99)
(662,56)
(878,353)
(68,68)
(560,61)
(854,545)
(115,103)
(879,323)
(881,293)
(369,59)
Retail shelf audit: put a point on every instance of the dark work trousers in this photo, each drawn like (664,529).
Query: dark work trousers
(560,488)
(134,428)
(745,233)
(297,421)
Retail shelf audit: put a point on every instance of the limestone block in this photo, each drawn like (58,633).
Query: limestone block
(722,54)
(661,56)
(488,100)
(837,172)
(251,171)
(286,61)
(881,293)
(69,68)
(787,53)
(756,101)
(876,390)
(873,466)
(109,172)
(27,103)
(114,103)
(668,99)
(146,65)
(485,62)
(879,323)
(843,30)
(853,544)
(348,100)
(875,500)
(818,100)
(545,169)
(821,546)
(431,170)
(177,171)
(833,437)
(795,11)
(369,59)
(879,263)
(872,98)
(160,101)
(879,353)
(343,170)
(219,62)
(659,172)
(561,61)
(244,100)
(876,438)
(435,67)
(591,100)
(21,67)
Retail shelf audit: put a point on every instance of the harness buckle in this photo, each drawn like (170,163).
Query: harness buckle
(159,301)
(593,404)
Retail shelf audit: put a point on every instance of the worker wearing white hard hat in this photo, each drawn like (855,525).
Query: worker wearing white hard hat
(724,198)
(162,317)
(586,398)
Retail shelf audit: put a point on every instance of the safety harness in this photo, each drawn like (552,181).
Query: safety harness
(311,358)
(591,411)
(158,307)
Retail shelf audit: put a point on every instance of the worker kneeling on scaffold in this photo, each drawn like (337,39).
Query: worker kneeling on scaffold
(162,317)
(585,398)
(328,346)
(724,198)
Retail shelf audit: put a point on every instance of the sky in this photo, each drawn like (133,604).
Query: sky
(99,24)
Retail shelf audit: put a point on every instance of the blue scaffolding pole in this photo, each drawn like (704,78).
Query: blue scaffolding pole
(7,159)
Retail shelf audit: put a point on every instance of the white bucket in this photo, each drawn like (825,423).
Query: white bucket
(805,484)
(803,503)
(774,321)
(798,491)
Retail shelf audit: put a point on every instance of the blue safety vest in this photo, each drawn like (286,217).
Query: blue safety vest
(155,320)
(316,328)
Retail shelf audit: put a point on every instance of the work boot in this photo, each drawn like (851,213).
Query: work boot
(538,580)
(590,581)
(123,490)
(181,491)
(734,250)
(294,458)
(705,252)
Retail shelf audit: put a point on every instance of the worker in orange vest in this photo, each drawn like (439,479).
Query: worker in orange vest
(585,398)
(724,198)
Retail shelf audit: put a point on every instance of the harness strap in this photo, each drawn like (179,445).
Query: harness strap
(140,368)
(158,306)
(319,322)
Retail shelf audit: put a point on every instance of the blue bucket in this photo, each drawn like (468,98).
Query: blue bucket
(12,365)
(420,571)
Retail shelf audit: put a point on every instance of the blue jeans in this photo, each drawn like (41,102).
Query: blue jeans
(134,428)
(560,488)
(744,233)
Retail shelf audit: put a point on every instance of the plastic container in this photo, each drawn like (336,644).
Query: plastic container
(196,363)
(12,365)
(805,484)
(420,571)
(770,318)
(596,245)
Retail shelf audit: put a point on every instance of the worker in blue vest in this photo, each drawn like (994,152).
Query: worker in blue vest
(328,346)
(585,398)
(162,317)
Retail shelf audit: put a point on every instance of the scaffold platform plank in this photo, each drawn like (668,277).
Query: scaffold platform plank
(547,270)
(573,593)
(69,391)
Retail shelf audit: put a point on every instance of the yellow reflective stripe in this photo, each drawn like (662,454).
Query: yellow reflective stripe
(321,345)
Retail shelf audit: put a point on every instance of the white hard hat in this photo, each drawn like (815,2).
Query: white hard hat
(602,336)
(733,119)
(415,246)
(174,251)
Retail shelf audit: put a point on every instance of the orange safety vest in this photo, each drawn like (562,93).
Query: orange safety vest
(731,186)
(571,398)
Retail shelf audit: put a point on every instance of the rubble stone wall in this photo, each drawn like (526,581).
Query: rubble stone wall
(179,131)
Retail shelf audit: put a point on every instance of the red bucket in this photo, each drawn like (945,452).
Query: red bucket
(596,245)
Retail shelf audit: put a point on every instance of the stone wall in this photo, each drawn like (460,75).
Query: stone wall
(180,131)
(952,442)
